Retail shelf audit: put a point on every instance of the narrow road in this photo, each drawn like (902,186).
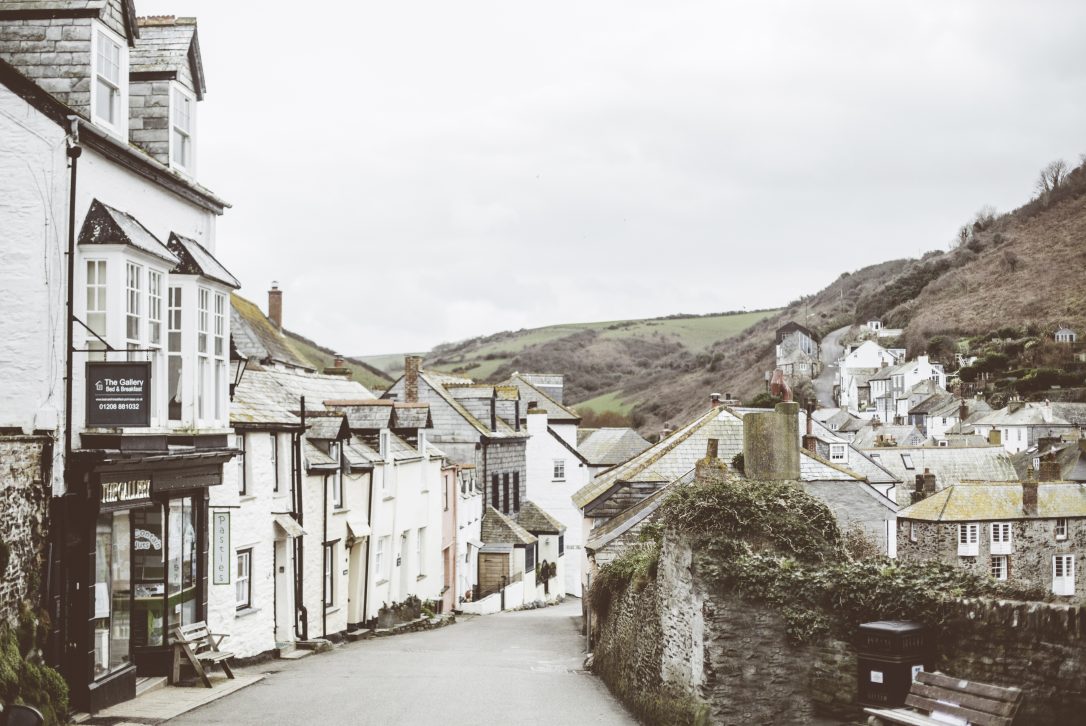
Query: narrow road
(832,350)
(510,668)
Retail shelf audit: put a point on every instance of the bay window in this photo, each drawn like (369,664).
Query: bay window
(203,315)
(154,308)
(96,306)
(132,310)
(220,357)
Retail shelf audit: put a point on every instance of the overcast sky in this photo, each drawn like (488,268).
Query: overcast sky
(417,172)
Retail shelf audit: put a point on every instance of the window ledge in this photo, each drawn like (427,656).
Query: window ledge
(381,582)
(388,498)
(331,609)
(340,510)
(246,612)
(562,481)
(246,497)
(420,577)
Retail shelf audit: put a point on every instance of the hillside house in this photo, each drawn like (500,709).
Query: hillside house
(854,371)
(1020,424)
(797,351)
(1065,335)
(895,389)
(1028,533)
(875,435)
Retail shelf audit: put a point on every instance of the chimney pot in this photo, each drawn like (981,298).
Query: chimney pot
(275,305)
(714,400)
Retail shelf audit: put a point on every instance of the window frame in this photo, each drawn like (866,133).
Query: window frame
(1060,529)
(189,134)
(1063,583)
(842,456)
(999,567)
(246,555)
(379,557)
(913,533)
(133,305)
(1001,538)
(559,470)
(420,547)
(243,477)
(119,108)
(98,313)
(175,351)
(968,539)
(529,562)
(561,544)
(329,574)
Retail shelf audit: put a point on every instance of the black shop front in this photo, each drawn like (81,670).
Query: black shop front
(131,562)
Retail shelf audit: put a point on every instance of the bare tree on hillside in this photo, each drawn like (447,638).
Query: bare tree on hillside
(1051,177)
(984,217)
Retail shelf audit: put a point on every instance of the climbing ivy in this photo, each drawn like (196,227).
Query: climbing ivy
(23,676)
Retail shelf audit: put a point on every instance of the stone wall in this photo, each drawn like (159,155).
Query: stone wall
(23,500)
(682,640)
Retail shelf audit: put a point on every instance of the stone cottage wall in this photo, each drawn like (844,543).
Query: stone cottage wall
(24,468)
(681,637)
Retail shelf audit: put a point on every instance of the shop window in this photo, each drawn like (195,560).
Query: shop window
(243,585)
(112,619)
(149,577)
(181,574)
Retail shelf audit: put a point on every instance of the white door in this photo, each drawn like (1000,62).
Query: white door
(1063,574)
(284,592)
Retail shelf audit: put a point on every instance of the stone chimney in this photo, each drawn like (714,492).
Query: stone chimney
(1015,405)
(771,443)
(275,305)
(710,470)
(338,368)
(925,486)
(1050,468)
(714,400)
(809,441)
(1029,496)
(411,366)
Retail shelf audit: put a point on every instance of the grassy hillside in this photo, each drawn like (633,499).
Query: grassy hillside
(1013,276)
(320,358)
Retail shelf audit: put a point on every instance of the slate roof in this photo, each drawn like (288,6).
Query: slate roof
(935,403)
(1071,412)
(498,528)
(316,387)
(440,383)
(973,501)
(536,520)
(62,7)
(556,412)
(256,338)
(412,416)
(904,434)
(673,456)
(317,459)
(257,400)
(105,225)
(327,427)
(630,517)
(194,259)
(366,414)
(1030,414)
(610,446)
(949,464)
(359,454)
(167,44)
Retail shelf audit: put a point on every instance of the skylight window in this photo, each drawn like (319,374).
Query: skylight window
(907,460)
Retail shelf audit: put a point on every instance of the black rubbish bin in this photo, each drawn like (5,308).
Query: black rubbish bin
(889,654)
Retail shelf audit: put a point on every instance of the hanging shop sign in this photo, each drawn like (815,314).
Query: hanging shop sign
(122,491)
(118,393)
(220,548)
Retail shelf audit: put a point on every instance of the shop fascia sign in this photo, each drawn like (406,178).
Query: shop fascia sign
(118,394)
(126,490)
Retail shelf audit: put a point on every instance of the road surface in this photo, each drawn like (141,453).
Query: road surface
(832,350)
(511,668)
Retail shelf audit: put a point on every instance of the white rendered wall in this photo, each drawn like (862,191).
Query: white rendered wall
(555,497)
(33,239)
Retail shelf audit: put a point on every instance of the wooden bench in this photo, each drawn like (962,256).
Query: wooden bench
(955,700)
(199,646)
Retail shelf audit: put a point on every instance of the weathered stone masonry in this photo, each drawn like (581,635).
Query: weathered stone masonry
(24,464)
(681,637)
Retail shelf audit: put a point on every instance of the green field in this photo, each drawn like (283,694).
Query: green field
(607,402)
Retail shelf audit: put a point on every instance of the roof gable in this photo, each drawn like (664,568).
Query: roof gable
(167,46)
(105,225)
(194,259)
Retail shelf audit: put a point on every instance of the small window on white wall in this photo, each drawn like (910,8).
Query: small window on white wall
(839,453)
(182,116)
(559,470)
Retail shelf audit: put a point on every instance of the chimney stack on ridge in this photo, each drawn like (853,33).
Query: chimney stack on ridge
(275,305)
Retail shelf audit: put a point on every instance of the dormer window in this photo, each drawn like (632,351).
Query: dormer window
(182,116)
(110,79)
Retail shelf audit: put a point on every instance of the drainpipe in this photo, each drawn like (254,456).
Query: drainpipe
(324,553)
(299,556)
(369,540)
(74,151)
